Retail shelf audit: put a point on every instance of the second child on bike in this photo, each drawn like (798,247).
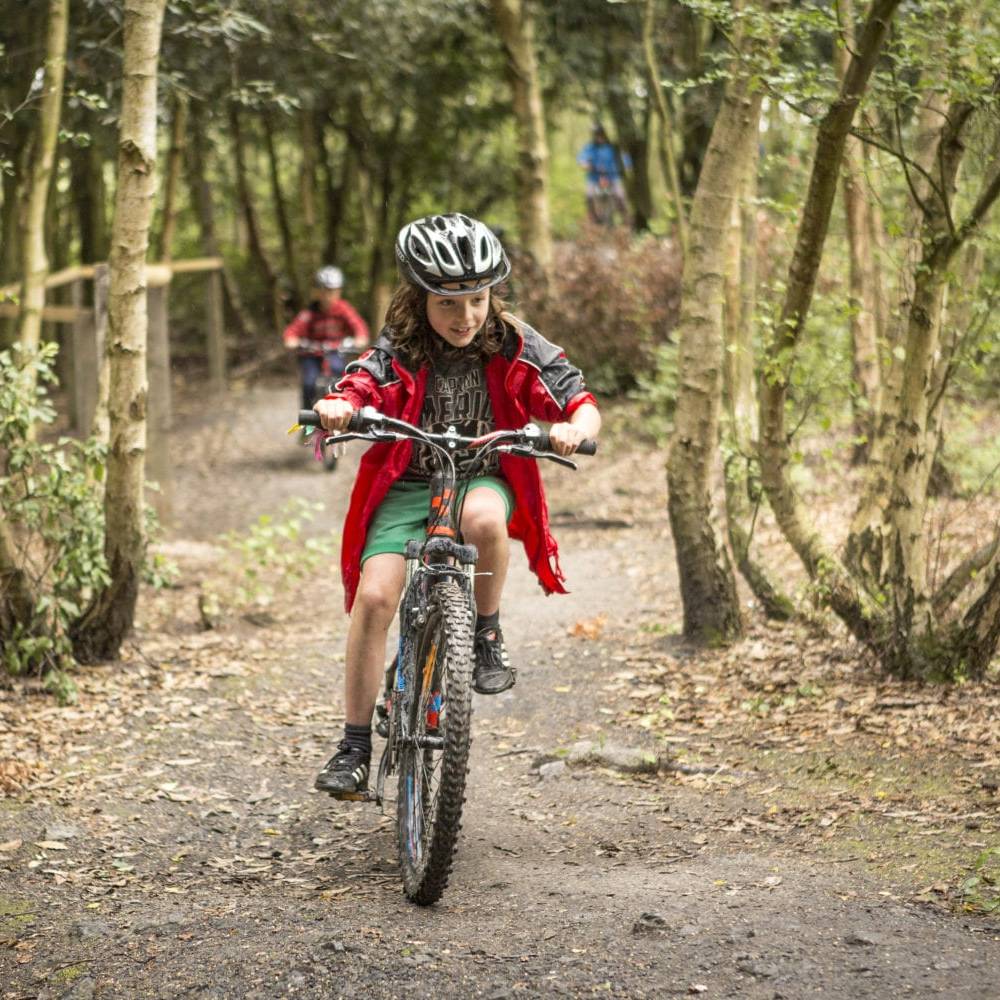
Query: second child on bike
(318,331)
(449,355)
(602,161)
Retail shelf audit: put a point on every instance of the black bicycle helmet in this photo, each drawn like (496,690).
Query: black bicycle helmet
(441,250)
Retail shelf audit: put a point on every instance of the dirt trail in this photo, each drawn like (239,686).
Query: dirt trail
(196,861)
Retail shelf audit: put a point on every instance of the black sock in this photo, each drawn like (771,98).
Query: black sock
(488,621)
(358,737)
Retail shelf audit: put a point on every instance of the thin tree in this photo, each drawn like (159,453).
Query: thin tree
(34,260)
(863,266)
(668,160)
(515,24)
(708,585)
(100,632)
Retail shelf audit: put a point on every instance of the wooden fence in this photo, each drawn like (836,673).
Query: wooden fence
(89,324)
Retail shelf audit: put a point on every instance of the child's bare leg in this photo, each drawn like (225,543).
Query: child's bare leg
(374,609)
(484,524)
(345,774)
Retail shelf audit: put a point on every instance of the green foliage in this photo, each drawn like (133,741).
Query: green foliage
(274,551)
(54,513)
(980,891)
(158,571)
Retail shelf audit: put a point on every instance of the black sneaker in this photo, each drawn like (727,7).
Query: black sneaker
(493,672)
(345,775)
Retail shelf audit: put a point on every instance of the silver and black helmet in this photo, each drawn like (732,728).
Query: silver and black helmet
(329,277)
(439,251)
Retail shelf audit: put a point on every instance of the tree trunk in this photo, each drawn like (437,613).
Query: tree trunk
(515,24)
(34,262)
(160,415)
(668,160)
(334,190)
(741,473)
(89,197)
(708,587)
(775,455)
(201,195)
(866,400)
(281,212)
(257,250)
(865,552)
(172,179)
(916,437)
(100,633)
(18,595)
(308,195)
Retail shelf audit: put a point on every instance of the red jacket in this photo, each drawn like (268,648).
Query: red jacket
(314,331)
(528,378)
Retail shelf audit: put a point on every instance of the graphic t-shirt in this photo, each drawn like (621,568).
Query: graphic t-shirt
(456,397)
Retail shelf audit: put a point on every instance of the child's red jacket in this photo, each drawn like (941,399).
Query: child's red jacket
(529,378)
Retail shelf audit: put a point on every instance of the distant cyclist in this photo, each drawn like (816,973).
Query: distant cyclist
(317,332)
(603,165)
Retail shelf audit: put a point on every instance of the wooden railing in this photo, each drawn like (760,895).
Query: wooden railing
(86,342)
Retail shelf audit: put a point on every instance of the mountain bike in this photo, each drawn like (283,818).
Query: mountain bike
(426,708)
(606,207)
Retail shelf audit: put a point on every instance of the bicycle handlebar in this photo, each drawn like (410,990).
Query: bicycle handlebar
(369,418)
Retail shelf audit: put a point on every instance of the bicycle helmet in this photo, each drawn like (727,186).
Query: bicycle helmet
(441,250)
(329,277)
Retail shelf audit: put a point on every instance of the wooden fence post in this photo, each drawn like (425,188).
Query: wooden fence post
(97,418)
(216,333)
(160,413)
(86,360)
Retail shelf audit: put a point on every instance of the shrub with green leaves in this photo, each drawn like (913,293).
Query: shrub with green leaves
(52,552)
(273,551)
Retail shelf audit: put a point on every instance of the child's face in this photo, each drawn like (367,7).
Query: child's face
(458,318)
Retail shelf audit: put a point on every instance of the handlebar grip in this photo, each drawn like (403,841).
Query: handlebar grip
(586,447)
(310,418)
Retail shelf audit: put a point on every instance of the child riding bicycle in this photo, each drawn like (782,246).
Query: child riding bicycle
(318,332)
(601,161)
(449,355)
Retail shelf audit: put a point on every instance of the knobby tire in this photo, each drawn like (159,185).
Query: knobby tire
(428,818)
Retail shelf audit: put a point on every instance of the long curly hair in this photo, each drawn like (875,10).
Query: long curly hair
(412,335)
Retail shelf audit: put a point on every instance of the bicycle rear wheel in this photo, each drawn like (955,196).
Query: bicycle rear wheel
(431,788)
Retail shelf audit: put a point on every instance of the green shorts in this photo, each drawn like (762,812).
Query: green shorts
(402,515)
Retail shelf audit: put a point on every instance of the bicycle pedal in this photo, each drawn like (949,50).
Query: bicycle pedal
(364,796)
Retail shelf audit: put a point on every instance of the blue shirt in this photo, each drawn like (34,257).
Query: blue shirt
(599,158)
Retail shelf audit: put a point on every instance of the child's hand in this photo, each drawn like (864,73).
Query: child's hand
(334,413)
(565,438)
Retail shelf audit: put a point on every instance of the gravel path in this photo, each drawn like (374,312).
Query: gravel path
(196,860)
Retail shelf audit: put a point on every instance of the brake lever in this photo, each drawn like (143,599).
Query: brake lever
(558,459)
(344,438)
(529,452)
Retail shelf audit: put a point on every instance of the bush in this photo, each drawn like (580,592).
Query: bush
(612,302)
(54,523)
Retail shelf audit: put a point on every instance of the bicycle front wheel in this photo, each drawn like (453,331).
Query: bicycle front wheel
(433,765)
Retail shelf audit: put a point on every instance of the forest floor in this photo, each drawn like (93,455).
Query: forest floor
(770,820)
